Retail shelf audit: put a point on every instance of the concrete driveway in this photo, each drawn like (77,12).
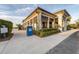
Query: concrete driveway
(22,44)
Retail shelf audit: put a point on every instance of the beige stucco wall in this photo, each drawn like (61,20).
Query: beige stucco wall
(25,23)
(60,23)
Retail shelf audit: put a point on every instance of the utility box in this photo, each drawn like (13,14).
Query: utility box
(29,31)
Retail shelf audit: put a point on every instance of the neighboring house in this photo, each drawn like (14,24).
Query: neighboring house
(41,18)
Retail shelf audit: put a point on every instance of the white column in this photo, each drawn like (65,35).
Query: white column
(53,22)
(39,21)
(65,25)
(32,22)
(29,23)
(48,22)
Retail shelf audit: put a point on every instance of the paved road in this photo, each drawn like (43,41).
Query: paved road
(22,44)
(69,46)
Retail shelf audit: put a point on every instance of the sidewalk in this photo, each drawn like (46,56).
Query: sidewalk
(20,43)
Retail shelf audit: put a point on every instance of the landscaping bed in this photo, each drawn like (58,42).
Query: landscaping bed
(45,32)
(8,37)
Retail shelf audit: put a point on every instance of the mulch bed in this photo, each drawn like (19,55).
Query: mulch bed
(6,38)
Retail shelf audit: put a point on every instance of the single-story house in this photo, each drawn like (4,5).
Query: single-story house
(41,18)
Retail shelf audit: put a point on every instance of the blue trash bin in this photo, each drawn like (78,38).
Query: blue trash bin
(29,31)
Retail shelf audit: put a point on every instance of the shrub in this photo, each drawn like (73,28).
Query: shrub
(8,24)
(68,27)
(77,23)
(46,32)
(74,26)
(47,29)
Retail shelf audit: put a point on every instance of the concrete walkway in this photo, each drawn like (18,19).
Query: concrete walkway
(20,43)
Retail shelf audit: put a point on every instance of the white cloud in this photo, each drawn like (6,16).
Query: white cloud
(4,12)
(23,9)
(26,11)
(16,16)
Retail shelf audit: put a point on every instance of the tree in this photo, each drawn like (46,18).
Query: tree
(77,23)
(19,26)
(69,19)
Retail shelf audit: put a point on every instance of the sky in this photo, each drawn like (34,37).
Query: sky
(16,13)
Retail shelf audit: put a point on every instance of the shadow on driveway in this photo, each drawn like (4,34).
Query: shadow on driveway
(69,46)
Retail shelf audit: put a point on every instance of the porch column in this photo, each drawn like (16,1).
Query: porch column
(39,21)
(30,23)
(53,23)
(65,25)
(48,22)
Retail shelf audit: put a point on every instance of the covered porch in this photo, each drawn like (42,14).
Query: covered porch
(48,22)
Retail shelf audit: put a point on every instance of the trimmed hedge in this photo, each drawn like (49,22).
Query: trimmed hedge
(8,24)
(46,32)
